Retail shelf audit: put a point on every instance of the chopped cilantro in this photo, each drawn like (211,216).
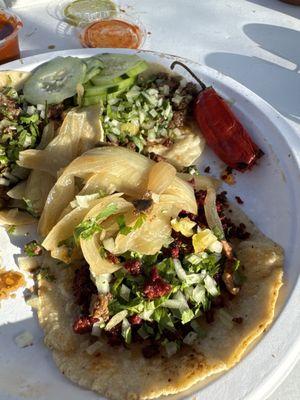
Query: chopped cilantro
(86,229)
(33,249)
(192,170)
(124,229)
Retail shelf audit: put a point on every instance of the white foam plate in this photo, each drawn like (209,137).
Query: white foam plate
(271,192)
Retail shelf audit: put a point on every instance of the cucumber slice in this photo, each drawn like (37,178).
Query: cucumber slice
(137,69)
(93,62)
(99,81)
(114,95)
(109,88)
(91,100)
(91,73)
(117,65)
(54,81)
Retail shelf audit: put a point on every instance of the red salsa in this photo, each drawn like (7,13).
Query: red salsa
(9,44)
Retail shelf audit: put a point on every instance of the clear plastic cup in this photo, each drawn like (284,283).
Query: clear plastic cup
(10,24)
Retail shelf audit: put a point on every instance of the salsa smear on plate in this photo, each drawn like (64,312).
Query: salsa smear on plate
(10,281)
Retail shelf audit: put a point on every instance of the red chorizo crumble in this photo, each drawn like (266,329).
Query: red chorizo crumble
(168,142)
(135,319)
(114,336)
(133,266)
(112,258)
(156,157)
(156,287)
(83,288)
(184,214)
(84,324)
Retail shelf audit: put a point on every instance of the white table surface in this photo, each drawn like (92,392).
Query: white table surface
(256,42)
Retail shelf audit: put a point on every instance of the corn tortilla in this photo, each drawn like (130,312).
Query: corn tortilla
(118,373)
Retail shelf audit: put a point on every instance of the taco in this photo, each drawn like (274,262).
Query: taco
(161,283)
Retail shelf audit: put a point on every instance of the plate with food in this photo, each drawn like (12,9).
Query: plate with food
(149,231)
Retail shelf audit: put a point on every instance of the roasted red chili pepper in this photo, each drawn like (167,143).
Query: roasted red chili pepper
(221,129)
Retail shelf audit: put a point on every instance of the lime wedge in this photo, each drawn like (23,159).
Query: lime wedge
(82,12)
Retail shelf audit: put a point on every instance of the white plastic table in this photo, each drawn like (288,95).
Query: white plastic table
(256,42)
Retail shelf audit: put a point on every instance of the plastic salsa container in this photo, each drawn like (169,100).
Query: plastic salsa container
(10,24)
(115,32)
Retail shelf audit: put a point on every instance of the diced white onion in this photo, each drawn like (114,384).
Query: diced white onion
(84,201)
(125,292)
(190,338)
(4,182)
(116,319)
(188,292)
(211,285)
(40,107)
(194,258)
(199,294)
(30,110)
(216,247)
(96,330)
(192,279)
(171,349)
(148,311)
(181,297)
(102,283)
(173,303)
(180,272)
(25,339)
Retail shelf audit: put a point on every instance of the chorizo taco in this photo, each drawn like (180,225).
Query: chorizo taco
(155,281)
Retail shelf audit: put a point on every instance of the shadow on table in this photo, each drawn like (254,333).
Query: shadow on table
(276,5)
(278,85)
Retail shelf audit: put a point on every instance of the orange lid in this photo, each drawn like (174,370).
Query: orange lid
(112,33)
